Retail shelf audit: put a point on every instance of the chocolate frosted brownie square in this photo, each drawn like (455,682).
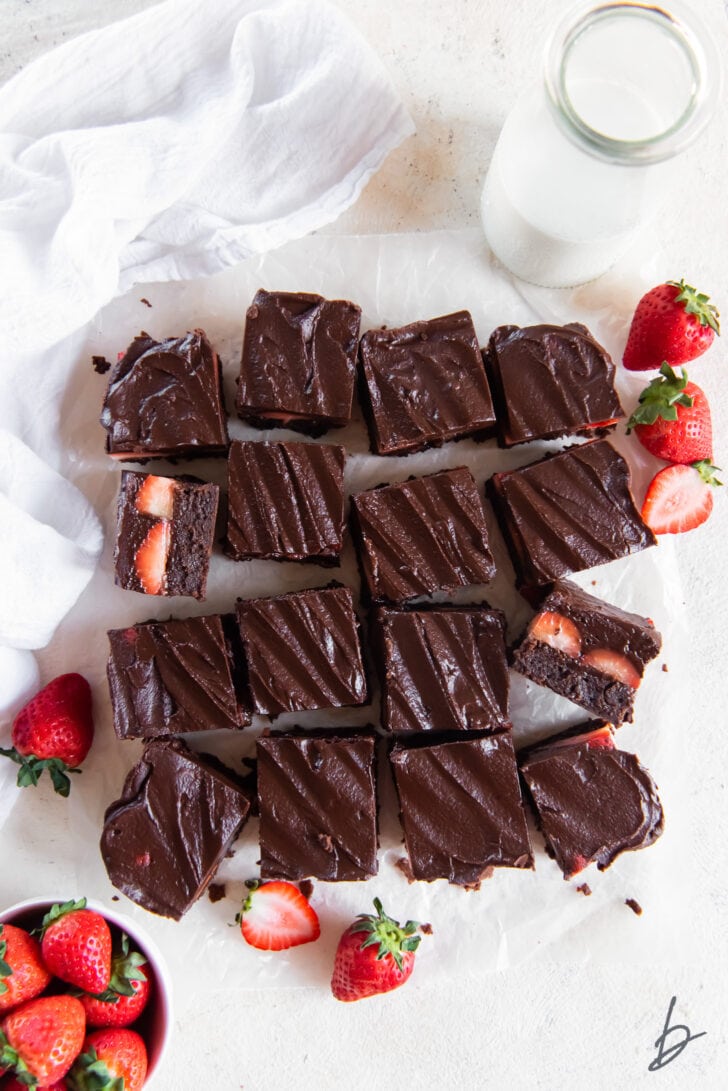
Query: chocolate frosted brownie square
(298,367)
(165,530)
(441,668)
(165,400)
(424,384)
(592,801)
(318,806)
(170,677)
(550,381)
(461,807)
(423,535)
(178,817)
(285,501)
(303,651)
(587,650)
(568,512)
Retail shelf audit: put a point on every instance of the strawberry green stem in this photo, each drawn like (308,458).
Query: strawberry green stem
(388,935)
(697,303)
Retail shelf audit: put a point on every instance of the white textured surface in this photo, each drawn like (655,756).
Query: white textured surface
(542,1025)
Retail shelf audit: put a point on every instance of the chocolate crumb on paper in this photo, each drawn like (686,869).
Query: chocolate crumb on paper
(306,888)
(216,892)
(100,364)
(584,889)
(665,668)
(634,906)
(145,302)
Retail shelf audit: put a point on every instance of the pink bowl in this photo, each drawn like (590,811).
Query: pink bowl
(156,1022)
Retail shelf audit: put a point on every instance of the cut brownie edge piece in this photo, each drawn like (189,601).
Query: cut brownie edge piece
(592,801)
(317,805)
(587,650)
(178,816)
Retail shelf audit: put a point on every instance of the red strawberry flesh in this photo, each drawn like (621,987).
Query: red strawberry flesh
(557,631)
(156,497)
(679,498)
(617,666)
(150,560)
(276,916)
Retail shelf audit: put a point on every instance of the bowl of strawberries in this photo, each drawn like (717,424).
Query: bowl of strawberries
(85,999)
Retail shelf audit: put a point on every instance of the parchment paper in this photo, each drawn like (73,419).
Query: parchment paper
(516,915)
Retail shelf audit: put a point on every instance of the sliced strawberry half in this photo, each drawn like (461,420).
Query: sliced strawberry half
(614,664)
(599,738)
(156,496)
(680,498)
(150,560)
(557,631)
(275,916)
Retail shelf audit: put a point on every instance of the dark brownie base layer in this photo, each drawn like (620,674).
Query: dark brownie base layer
(172,677)
(461,807)
(317,805)
(441,668)
(178,816)
(588,651)
(165,399)
(592,801)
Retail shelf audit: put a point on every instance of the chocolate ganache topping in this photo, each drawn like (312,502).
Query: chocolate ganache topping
(441,668)
(568,512)
(424,384)
(423,535)
(550,381)
(593,802)
(303,651)
(170,677)
(178,816)
(461,807)
(317,802)
(285,501)
(165,398)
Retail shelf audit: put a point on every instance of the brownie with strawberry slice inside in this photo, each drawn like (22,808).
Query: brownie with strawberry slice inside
(568,512)
(303,651)
(588,651)
(178,816)
(165,532)
(592,801)
(298,365)
(285,501)
(424,384)
(318,805)
(461,807)
(441,668)
(550,381)
(172,677)
(165,400)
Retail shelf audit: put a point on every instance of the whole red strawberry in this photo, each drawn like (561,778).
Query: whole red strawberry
(672,419)
(41,1039)
(54,731)
(672,322)
(110,1055)
(76,946)
(127,994)
(375,955)
(23,974)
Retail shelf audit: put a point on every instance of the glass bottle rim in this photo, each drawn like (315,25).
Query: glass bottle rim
(698,49)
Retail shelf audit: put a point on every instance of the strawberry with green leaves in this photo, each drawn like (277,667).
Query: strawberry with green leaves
(112,1059)
(76,945)
(40,1040)
(54,731)
(276,916)
(128,992)
(23,974)
(375,955)
(672,420)
(680,498)
(672,322)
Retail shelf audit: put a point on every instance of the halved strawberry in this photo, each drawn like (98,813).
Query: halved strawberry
(615,665)
(679,498)
(156,496)
(275,916)
(599,738)
(150,560)
(557,631)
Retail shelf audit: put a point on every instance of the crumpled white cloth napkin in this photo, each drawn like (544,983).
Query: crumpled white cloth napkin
(169,145)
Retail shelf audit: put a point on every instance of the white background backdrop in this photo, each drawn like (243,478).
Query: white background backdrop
(546,1024)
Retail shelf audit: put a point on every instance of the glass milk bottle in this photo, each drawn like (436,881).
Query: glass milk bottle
(626,87)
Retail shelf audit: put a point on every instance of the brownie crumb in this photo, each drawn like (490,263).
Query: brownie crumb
(665,668)
(145,302)
(426,929)
(584,889)
(216,892)
(115,897)
(634,906)
(100,364)
(306,888)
